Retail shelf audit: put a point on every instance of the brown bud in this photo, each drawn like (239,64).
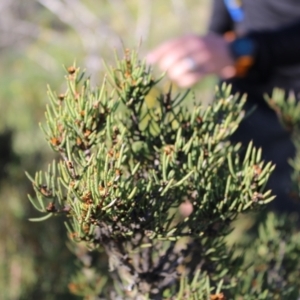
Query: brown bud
(87,133)
(257,170)
(61,97)
(78,141)
(55,141)
(71,70)
(219,296)
(51,207)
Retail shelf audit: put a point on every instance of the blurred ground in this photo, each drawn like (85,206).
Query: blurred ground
(37,38)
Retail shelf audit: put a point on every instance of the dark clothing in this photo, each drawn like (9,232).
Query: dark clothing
(275,27)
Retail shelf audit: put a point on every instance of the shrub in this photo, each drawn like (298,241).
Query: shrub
(149,193)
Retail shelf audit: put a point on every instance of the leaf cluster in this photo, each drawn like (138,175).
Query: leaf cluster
(125,169)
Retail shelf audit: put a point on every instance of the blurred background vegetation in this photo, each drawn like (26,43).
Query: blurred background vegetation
(37,38)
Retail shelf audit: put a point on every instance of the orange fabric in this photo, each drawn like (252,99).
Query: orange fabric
(242,65)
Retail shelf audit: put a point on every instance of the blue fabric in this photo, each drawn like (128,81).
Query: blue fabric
(235,10)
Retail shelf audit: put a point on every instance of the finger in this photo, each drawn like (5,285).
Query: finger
(186,208)
(155,55)
(171,51)
(179,55)
(189,79)
(228,72)
(194,63)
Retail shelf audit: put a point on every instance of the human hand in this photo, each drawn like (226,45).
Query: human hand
(186,60)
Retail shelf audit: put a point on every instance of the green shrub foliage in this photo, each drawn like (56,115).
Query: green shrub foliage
(155,187)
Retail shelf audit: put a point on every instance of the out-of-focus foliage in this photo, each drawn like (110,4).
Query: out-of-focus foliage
(271,260)
(37,38)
